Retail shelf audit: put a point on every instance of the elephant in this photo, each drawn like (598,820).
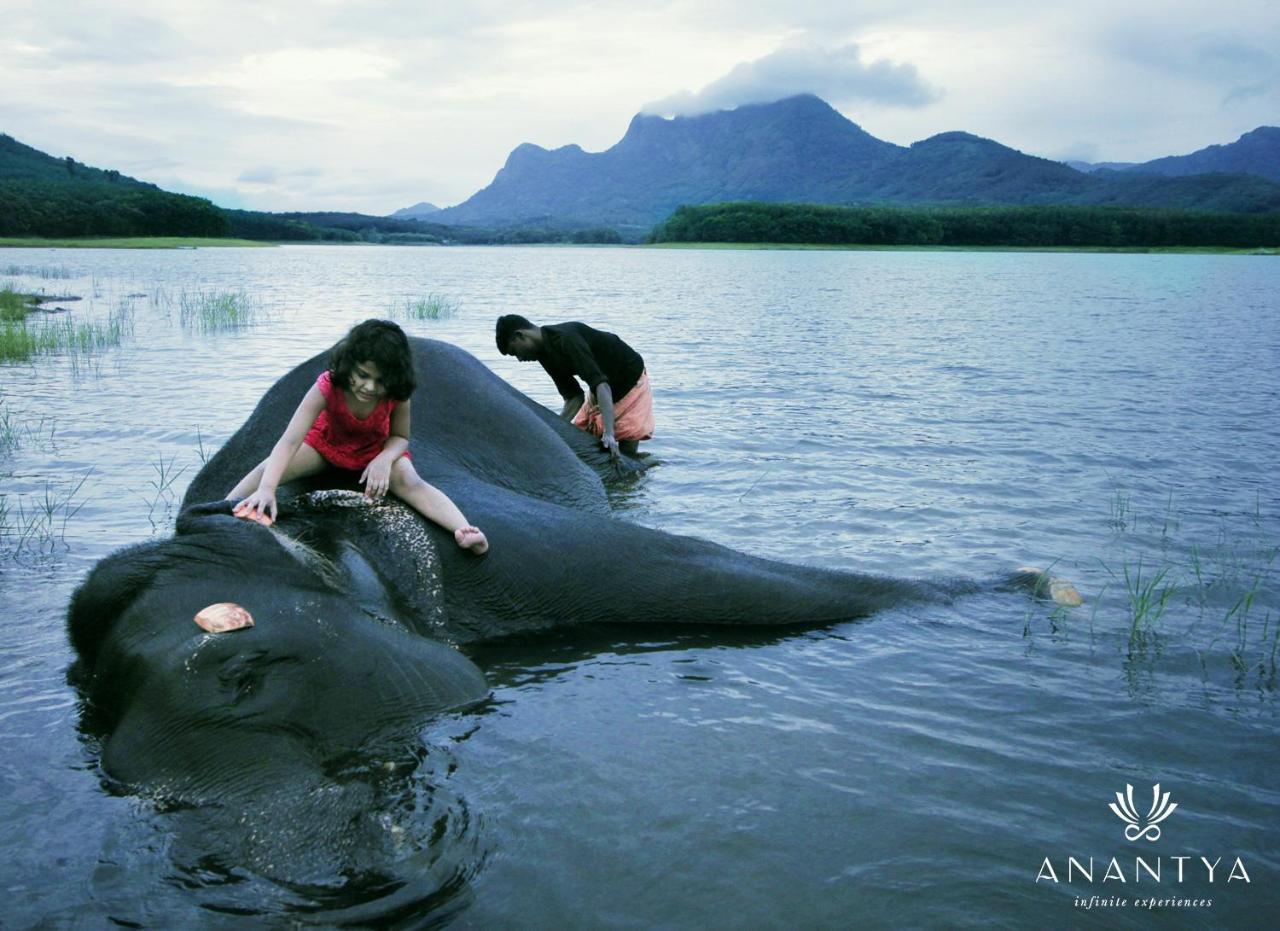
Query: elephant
(363,612)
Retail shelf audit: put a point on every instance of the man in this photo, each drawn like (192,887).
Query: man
(618,408)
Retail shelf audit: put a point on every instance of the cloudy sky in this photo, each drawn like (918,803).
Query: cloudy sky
(377,104)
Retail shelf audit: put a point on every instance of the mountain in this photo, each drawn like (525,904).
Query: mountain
(1098,166)
(801,150)
(795,149)
(1254,153)
(417,211)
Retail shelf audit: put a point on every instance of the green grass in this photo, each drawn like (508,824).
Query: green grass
(13,306)
(135,242)
(432,307)
(21,342)
(210,311)
(853,247)
(1148,598)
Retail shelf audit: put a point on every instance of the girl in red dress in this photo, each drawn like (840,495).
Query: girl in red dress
(356,417)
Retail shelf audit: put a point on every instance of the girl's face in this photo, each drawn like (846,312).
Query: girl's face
(366,382)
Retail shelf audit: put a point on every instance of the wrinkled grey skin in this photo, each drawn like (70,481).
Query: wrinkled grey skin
(360,610)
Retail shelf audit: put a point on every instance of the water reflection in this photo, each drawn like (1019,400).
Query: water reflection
(912,414)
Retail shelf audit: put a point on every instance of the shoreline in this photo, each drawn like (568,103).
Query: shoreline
(194,242)
(129,242)
(829,247)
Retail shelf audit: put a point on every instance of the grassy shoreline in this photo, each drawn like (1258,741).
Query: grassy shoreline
(128,242)
(192,242)
(853,247)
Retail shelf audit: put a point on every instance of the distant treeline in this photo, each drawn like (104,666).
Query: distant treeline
(967,226)
(94,206)
(58,209)
(359,227)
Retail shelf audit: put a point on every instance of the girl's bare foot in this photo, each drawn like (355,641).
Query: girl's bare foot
(471,538)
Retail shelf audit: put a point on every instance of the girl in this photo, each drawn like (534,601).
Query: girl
(356,417)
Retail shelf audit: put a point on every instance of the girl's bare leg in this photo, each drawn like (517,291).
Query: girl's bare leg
(306,461)
(435,506)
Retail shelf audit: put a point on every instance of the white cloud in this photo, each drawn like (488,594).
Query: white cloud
(374,105)
(837,75)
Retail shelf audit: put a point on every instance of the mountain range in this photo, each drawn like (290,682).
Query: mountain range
(1254,153)
(420,210)
(802,150)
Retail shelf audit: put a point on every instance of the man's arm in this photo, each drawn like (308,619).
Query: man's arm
(604,400)
(568,387)
(572,406)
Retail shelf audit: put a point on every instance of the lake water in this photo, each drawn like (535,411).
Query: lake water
(913,413)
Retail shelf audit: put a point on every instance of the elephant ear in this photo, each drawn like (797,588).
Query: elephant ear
(114,584)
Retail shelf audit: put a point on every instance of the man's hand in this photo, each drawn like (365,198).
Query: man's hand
(376,478)
(610,443)
(571,407)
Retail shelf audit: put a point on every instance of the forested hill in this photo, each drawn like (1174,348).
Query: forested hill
(800,149)
(55,197)
(20,162)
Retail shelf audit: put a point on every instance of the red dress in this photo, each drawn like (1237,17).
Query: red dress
(342,438)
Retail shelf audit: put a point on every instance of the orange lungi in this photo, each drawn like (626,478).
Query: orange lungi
(632,416)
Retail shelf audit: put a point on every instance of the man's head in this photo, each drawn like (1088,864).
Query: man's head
(517,336)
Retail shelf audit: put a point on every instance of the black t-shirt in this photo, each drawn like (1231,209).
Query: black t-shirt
(570,349)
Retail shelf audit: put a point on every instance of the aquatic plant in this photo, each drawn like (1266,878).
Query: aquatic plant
(1215,599)
(209,311)
(162,484)
(1148,598)
(17,343)
(1121,507)
(431,307)
(13,306)
(39,525)
(37,271)
(8,430)
(20,341)
(14,433)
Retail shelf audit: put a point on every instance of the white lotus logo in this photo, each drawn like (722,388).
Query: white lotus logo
(1126,811)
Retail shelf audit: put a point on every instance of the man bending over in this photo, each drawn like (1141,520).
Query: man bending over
(617,407)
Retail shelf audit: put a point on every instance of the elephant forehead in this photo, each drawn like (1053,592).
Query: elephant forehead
(302,690)
(378,553)
(308,655)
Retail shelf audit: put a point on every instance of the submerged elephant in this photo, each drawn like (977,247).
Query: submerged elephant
(360,610)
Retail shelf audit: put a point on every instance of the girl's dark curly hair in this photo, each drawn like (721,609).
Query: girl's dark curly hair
(384,344)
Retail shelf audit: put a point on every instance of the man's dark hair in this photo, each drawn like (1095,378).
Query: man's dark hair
(506,328)
(384,344)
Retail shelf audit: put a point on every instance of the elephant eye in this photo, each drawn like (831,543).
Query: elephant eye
(241,675)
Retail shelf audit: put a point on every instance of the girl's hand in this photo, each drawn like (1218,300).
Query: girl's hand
(261,504)
(376,478)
